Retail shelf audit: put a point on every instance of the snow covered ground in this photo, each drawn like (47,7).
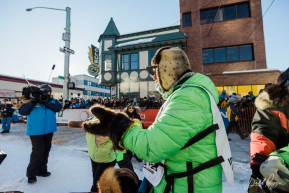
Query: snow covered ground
(70,165)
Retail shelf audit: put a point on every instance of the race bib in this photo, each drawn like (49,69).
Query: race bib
(153,172)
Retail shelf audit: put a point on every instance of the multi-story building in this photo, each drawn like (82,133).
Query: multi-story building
(226,42)
(124,58)
(90,85)
(222,39)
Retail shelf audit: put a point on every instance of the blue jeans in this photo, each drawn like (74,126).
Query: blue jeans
(6,121)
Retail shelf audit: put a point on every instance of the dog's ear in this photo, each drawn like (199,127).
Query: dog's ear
(102,113)
(94,127)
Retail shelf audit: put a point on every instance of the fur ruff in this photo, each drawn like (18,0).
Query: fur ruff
(120,180)
(266,99)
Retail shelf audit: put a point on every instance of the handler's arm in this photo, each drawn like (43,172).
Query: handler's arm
(183,119)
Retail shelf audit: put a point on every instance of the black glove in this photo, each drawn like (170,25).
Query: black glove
(108,123)
(36,99)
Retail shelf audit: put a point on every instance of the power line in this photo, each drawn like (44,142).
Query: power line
(260,19)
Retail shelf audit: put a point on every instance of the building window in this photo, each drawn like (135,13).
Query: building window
(232,54)
(151,54)
(88,83)
(125,61)
(220,54)
(225,13)
(228,54)
(230,12)
(246,52)
(107,63)
(134,61)
(243,10)
(129,61)
(208,56)
(88,92)
(186,20)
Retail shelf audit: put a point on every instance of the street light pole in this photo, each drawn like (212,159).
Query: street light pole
(66,38)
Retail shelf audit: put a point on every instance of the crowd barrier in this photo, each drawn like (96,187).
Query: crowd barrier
(148,116)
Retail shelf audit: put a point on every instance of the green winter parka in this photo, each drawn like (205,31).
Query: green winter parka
(100,149)
(187,114)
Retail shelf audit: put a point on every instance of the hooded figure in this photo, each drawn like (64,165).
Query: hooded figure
(87,103)
(186,112)
(223,94)
(270,125)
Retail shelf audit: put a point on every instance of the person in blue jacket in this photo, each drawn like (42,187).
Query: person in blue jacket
(223,95)
(41,124)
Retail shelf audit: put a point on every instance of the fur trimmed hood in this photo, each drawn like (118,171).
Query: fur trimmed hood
(137,109)
(269,98)
(172,64)
(118,181)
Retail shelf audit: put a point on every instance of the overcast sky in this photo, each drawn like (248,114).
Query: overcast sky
(30,41)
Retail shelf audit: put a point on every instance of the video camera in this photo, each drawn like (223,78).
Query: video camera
(35,91)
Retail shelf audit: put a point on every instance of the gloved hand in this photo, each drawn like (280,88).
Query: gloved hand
(36,99)
(108,123)
(269,171)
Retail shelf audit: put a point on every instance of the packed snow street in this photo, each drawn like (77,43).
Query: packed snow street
(70,166)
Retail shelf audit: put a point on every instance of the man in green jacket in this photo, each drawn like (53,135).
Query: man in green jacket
(186,115)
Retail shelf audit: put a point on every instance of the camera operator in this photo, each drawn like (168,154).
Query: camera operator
(41,123)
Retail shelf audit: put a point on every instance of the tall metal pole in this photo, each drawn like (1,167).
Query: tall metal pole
(66,38)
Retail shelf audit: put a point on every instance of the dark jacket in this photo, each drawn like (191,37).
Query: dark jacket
(233,111)
(41,117)
(7,110)
(270,125)
(145,104)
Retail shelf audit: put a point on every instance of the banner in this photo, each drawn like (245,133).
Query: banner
(74,115)
(95,54)
(7,93)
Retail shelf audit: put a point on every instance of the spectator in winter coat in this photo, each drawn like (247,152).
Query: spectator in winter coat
(67,105)
(74,105)
(223,95)
(87,103)
(249,101)
(270,123)
(251,95)
(239,101)
(145,104)
(187,113)
(83,105)
(225,102)
(6,114)
(114,103)
(106,102)
(233,117)
(156,103)
(220,102)
(99,101)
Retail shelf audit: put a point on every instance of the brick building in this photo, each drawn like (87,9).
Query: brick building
(221,44)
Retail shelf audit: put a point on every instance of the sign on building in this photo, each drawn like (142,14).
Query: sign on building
(7,93)
(95,54)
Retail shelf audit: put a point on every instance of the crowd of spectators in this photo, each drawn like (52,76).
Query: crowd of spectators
(143,103)
(242,101)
